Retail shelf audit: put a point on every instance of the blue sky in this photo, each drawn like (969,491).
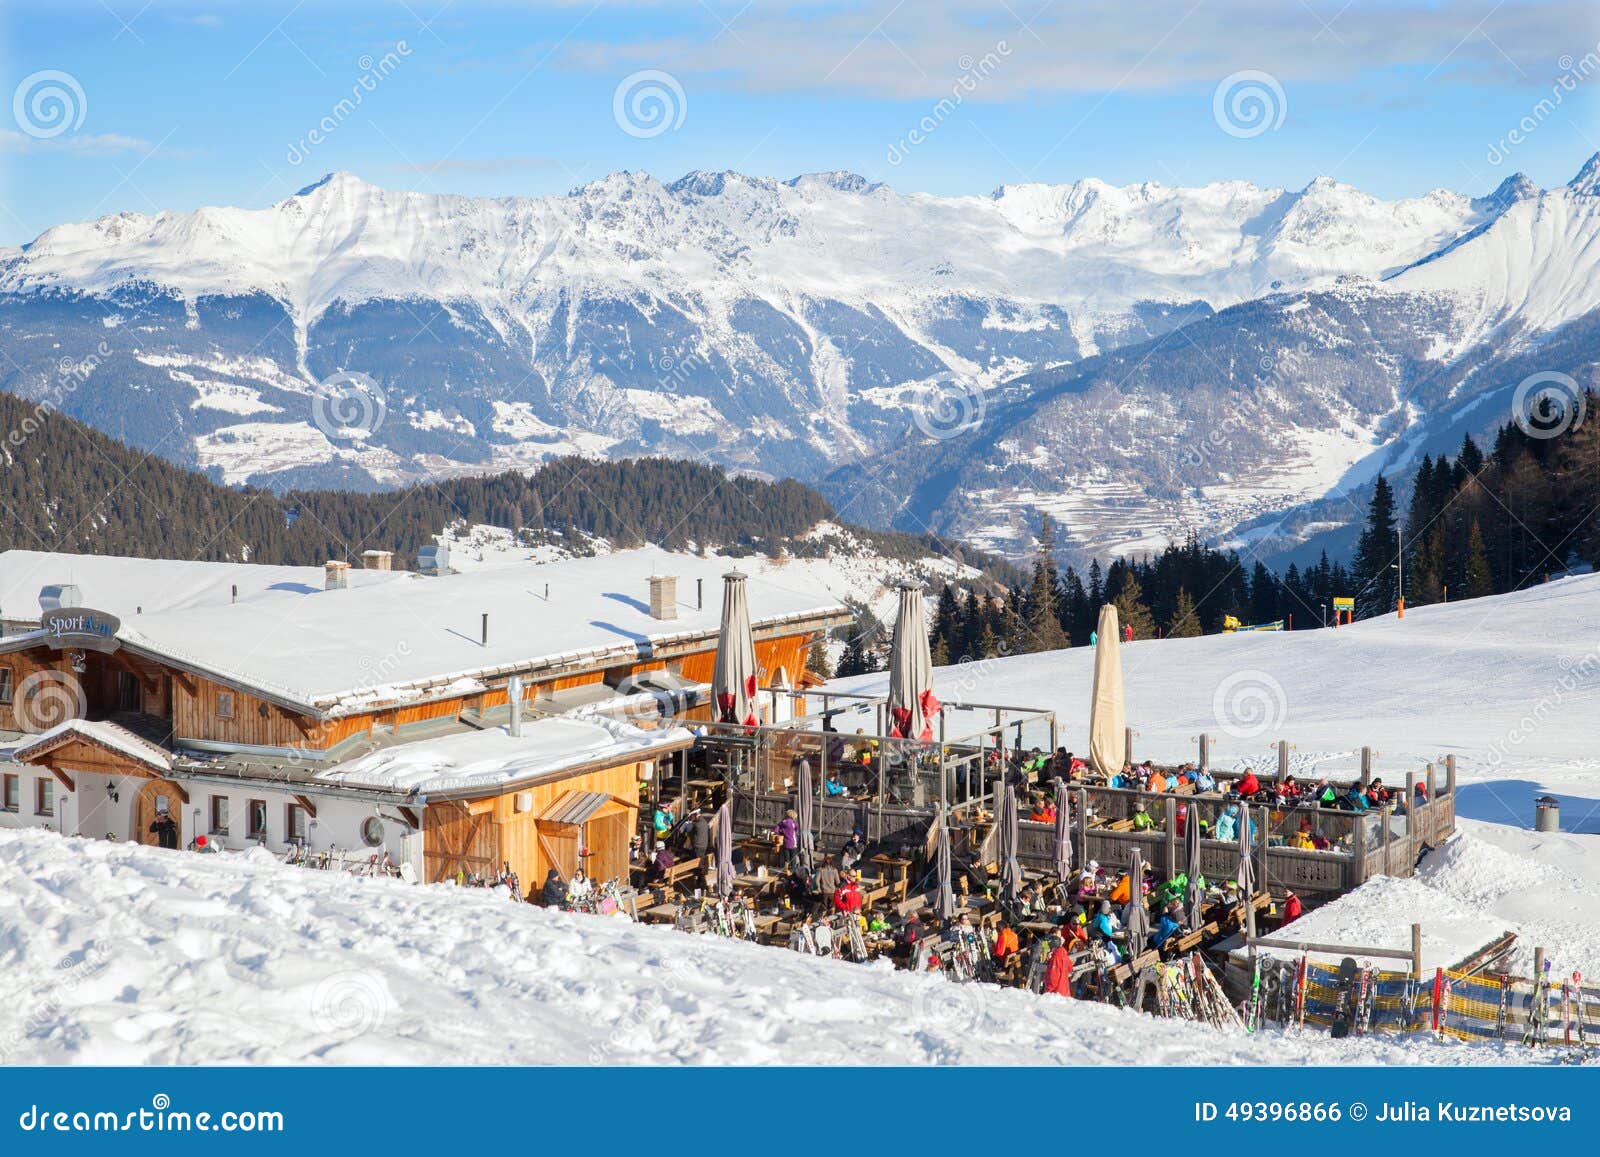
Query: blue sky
(124,105)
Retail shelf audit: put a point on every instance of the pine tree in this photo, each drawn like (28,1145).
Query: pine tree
(1041,612)
(1185,621)
(817,658)
(1478,582)
(1375,554)
(1131,608)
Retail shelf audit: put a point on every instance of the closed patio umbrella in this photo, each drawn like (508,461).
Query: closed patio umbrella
(1063,833)
(733,676)
(1010,836)
(1247,871)
(1191,839)
(912,704)
(1108,723)
(1138,913)
(946,902)
(725,871)
(805,806)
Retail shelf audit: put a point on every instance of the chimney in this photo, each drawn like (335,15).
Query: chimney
(434,560)
(58,595)
(514,705)
(377,560)
(663,596)
(334,575)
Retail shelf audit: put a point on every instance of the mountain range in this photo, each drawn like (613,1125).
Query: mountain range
(1139,361)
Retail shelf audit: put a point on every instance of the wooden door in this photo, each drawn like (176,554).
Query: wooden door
(457,841)
(155,797)
(559,843)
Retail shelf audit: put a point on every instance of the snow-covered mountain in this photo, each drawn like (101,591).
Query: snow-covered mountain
(1080,340)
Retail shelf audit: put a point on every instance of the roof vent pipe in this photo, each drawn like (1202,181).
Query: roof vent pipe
(485,628)
(514,705)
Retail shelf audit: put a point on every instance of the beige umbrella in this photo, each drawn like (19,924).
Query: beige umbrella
(1108,721)
(733,677)
(912,704)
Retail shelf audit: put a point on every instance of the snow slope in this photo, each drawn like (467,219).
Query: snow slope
(1510,684)
(117,954)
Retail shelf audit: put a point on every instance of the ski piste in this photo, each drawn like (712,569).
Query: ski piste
(1348,970)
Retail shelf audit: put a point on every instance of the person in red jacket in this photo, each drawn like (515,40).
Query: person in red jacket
(1291,908)
(1058,972)
(848,897)
(1248,784)
(1127,632)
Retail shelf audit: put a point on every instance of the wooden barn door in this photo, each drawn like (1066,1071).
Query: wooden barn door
(455,841)
(559,843)
(608,837)
(155,797)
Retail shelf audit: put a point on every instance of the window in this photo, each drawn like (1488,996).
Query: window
(11,794)
(294,823)
(372,831)
(5,684)
(258,819)
(219,815)
(44,797)
(224,704)
(127,692)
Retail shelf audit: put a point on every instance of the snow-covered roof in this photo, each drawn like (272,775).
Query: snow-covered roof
(346,651)
(130,586)
(100,732)
(494,759)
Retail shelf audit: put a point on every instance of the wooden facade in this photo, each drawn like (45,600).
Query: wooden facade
(479,836)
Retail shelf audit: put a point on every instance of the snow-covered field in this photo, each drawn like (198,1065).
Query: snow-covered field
(114,953)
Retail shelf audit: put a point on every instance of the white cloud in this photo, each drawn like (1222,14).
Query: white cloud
(86,144)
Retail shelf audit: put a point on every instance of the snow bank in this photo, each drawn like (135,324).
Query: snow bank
(117,954)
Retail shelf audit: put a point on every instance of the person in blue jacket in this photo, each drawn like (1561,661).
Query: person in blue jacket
(1228,823)
(1107,929)
(1170,924)
(1204,780)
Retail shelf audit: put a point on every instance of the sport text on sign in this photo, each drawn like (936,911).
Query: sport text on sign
(81,627)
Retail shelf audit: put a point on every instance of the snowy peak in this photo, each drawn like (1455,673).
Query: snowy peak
(1514,188)
(1587,182)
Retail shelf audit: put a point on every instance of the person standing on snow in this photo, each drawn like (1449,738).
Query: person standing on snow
(1058,971)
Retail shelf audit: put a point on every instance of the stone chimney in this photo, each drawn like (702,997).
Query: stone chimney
(377,560)
(663,596)
(334,575)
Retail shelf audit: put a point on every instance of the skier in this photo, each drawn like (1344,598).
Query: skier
(827,882)
(1058,972)
(662,822)
(788,833)
(1170,924)
(1291,908)
(1094,637)
(1228,823)
(1107,929)
(165,832)
(554,893)
(1204,781)
(701,833)
(1005,942)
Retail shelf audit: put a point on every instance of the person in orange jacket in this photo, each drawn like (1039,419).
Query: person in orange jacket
(1058,972)
(1005,943)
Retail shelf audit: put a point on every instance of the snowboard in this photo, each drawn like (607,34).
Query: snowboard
(1344,995)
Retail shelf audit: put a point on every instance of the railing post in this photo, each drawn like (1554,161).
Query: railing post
(1083,828)
(1416,952)
(1283,759)
(1433,815)
(1360,851)
(1127,739)
(1205,752)
(1366,766)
